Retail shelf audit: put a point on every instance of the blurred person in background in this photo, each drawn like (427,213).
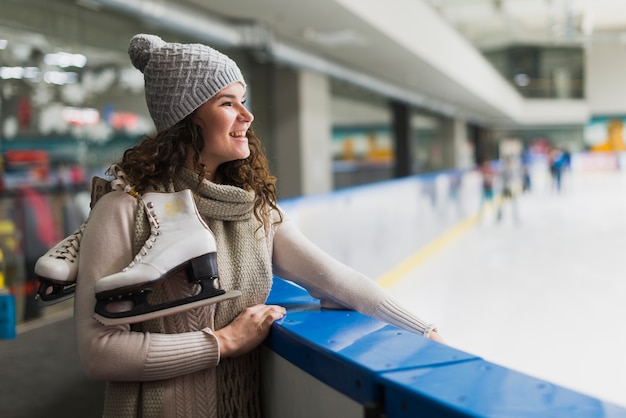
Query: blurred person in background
(487,182)
(508,176)
(558,162)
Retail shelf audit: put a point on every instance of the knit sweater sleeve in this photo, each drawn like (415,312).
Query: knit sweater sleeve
(115,352)
(297,259)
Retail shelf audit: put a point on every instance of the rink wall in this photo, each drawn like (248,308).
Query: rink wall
(338,363)
(374,227)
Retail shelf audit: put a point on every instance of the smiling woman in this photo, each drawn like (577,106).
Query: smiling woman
(181,246)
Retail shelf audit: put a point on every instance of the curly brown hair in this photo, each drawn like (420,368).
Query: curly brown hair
(157,159)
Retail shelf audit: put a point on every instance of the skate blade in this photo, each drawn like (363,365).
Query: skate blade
(231,294)
(58,294)
(49,302)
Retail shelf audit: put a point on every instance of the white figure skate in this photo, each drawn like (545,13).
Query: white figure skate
(179,239)
(57,270)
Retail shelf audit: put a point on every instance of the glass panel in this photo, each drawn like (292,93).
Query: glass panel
(363,150)
(427,143)
(542,72)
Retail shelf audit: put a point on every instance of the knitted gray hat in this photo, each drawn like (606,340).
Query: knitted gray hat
(179,78)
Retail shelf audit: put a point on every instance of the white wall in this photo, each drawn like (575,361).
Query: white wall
(606,79)
(315,132)
(373,228)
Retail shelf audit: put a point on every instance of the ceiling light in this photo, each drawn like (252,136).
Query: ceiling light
(19,73)
(63,60)
(60,78)
(522,80)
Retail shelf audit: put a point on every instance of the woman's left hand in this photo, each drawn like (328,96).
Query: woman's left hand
(434,335)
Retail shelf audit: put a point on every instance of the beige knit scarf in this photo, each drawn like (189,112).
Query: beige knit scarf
(244,264)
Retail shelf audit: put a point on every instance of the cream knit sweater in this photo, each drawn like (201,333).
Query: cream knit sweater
(178,367)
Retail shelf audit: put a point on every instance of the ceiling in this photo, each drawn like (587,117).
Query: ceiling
(334,39)
(329,29)
(483,22)
(489,23)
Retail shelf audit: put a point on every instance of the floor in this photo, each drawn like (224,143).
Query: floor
(543,292)
(40,375)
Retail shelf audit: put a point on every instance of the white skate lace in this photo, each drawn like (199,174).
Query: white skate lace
(154,233)
(120,182)
(68,248)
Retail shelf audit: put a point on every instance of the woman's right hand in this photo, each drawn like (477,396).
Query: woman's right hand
(248,329)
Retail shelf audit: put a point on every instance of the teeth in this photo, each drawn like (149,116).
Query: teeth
(238,133)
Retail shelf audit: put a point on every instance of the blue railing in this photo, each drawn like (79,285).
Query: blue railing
(393,373)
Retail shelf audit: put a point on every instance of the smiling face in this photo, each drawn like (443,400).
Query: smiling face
(224,121)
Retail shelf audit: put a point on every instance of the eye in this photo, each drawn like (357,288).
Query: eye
(231,103)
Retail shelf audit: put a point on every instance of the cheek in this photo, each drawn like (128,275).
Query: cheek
(212,137)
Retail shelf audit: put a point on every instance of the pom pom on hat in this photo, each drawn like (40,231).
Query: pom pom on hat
(178,78)
(141,47)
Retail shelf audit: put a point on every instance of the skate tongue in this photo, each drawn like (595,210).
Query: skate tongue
(142,313)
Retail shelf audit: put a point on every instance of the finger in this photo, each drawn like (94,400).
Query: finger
(255,313)
(278,308)
(265,310)
(279,313)
(262,309)
(255,309)
(271,316)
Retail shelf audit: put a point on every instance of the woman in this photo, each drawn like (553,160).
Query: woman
(203,362)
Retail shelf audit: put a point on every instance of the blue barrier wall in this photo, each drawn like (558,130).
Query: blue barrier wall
(396,374)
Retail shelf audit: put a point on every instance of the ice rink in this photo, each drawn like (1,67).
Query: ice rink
(545,295)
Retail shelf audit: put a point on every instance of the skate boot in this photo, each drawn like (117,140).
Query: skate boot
(57,269)
(179,240)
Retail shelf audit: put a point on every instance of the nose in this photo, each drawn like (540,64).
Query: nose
(245,114)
